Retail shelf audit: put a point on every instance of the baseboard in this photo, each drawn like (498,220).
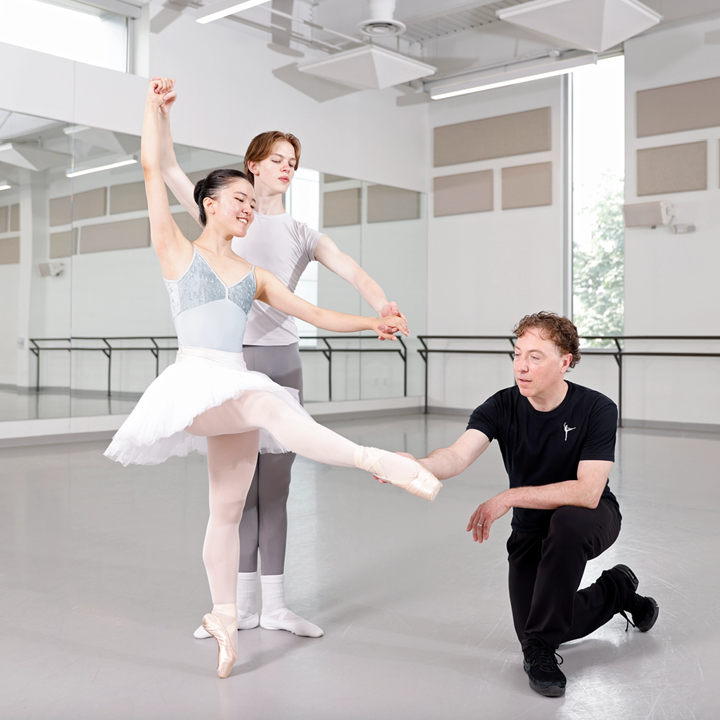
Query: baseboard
(439,410)
(363,409)
(53,431)
(671,425)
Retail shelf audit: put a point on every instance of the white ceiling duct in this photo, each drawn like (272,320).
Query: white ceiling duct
(594,25)
(381,22)
(369,68)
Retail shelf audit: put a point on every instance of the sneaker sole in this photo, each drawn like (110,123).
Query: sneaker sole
(550,691)
(545,690)
(653,619)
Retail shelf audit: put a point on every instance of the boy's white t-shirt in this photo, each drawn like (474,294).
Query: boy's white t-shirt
(285,247)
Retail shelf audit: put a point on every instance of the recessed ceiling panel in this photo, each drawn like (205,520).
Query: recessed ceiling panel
(369,68)
(583,24)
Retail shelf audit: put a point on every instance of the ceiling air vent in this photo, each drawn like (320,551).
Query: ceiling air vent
(381,23)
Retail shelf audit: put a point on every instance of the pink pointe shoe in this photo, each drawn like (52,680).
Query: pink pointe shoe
(423,483)
(226,653)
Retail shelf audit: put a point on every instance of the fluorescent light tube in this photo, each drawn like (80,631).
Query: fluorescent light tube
(76,173)
(513,77)
(223,9)
(73,129)
(5,186)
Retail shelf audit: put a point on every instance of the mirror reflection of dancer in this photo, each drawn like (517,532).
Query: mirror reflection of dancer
(208,400)
(285,247)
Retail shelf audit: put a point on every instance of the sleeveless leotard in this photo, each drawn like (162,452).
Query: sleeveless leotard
(206,312)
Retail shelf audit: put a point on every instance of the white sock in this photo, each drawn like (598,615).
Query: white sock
(247,600)
(275,614)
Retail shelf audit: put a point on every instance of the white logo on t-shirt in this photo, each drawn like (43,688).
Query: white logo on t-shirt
(567,430)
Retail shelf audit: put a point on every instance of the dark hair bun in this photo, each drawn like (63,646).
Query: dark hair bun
(211,185)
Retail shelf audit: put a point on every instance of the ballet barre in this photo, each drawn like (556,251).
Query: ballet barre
(618,352)
(105,346)
(155,344)
(327,350)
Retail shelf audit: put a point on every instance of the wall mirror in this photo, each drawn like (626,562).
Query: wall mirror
(86,324)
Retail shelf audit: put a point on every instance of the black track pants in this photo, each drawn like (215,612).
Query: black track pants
(546,570)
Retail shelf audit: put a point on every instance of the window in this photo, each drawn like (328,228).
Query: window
(598,152)
(303,203)
(68,29)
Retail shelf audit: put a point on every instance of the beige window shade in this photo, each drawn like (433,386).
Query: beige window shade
(63,244)
(80,206)
(189,227)
(129,197)
(341,207)
(4,218)
(10,251)
(122,235)
(15,218)
(675,108)
(386,204)
(673,168)
(328,178)
(460,194)
(501,136)
(526,186)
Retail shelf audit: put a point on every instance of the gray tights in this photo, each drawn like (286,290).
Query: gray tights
(263,526)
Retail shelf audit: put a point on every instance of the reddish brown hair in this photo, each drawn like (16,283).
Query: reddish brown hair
(556,328)
(261,147)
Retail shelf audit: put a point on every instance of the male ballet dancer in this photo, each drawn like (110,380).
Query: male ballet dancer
(558,442)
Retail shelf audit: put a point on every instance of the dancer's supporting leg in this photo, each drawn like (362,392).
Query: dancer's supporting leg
(231,464)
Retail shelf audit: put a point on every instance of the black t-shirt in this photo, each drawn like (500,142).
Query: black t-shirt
(540,448)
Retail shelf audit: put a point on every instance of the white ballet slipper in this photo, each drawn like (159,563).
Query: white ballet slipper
(423,483)
(284,619)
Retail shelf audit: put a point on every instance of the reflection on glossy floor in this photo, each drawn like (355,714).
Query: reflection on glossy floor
(102,586)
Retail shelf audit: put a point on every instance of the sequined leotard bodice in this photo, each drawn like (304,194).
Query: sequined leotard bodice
(208,313)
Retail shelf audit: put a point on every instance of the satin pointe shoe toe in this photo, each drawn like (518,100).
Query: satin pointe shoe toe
(423,483)
(226,653)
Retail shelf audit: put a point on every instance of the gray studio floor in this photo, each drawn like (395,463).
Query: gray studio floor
(101,586)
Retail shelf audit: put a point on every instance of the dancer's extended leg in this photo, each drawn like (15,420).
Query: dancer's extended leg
(231,464)
(262,410)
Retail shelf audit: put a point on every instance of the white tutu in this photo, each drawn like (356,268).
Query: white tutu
(200,379)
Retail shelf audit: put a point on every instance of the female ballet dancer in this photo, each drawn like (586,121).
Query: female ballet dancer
(208,400)
(284,246)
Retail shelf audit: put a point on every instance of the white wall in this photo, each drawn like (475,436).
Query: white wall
(671,281)
(227,95)
(487,270)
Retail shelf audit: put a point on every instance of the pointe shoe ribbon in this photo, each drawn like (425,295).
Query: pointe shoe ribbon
(423,483)
(226,652)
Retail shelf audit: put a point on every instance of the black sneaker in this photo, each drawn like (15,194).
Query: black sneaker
(543,671)
(643,610)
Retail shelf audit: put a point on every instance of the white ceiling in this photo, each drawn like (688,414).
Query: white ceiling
(456,36)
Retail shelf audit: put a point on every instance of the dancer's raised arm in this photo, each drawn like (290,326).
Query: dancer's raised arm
(171,246)
(271,291)
(178,182)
